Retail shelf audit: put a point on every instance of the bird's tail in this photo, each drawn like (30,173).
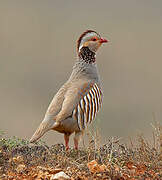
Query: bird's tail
(45,126)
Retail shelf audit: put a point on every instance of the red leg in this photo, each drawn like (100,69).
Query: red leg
(76,144)
(66,138)
(76,139)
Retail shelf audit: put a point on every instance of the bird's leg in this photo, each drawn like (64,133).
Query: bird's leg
(66,138)
(76,139)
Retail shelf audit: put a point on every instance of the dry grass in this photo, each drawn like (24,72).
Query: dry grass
(113,160)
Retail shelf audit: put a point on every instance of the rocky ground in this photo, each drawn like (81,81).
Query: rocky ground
(112,161)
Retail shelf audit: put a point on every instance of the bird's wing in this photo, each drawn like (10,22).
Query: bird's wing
(80,99)
(82,102)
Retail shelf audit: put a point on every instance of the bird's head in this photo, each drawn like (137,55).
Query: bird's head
(90,39)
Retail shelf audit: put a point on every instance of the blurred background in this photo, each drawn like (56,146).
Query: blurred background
(38,49)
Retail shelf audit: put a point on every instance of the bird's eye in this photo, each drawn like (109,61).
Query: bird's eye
(94,39)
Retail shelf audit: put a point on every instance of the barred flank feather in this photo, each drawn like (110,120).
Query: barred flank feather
(88,107)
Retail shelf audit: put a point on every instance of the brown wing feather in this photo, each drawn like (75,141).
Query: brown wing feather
(74,94)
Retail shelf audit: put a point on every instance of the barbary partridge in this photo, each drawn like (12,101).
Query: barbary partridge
(77,102)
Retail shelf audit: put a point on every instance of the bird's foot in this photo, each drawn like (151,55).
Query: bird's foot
(67,148)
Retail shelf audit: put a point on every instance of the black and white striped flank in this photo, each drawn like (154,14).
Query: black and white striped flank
(88,107)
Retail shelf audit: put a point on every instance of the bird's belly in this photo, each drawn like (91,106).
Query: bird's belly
(68,126)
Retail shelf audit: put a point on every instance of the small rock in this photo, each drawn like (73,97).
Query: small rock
(94,167)
(20,168)
(60,175)
(18,159)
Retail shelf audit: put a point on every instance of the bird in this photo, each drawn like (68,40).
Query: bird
(75,105)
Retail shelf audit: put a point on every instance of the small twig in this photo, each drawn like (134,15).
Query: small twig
(81,158)
(112,146)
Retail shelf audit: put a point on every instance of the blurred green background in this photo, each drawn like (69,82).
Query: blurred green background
(38,50)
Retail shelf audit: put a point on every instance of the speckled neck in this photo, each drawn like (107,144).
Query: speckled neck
(87,55)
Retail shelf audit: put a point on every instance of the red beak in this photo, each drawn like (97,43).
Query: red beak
(103,40)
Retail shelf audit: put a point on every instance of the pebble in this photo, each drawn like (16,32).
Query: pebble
(60,175)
